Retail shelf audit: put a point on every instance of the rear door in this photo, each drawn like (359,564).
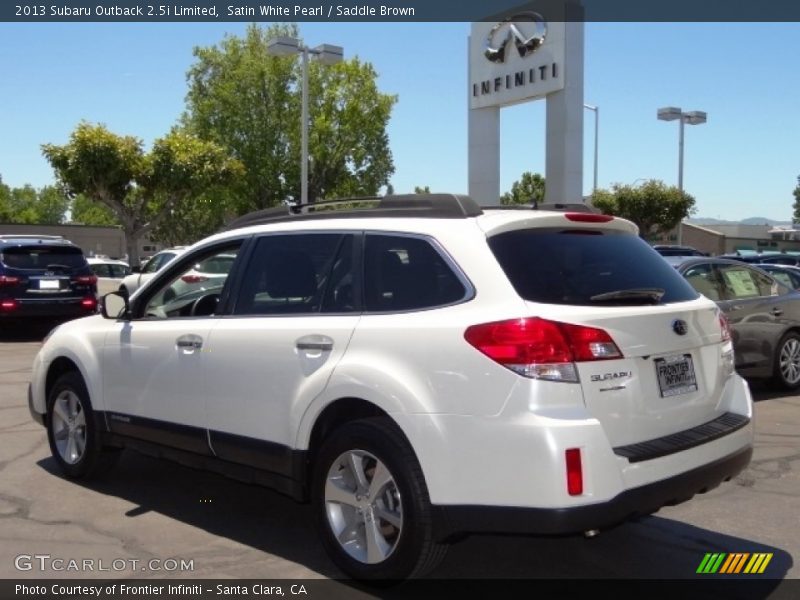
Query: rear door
(669,378)
(755,305)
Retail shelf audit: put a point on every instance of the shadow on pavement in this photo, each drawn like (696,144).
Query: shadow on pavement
(649,548)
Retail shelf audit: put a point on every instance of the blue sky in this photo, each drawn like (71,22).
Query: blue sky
(744,162)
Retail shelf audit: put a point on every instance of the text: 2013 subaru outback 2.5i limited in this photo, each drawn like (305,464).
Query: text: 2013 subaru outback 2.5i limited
(417,369)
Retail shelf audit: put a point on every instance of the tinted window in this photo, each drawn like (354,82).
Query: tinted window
(158,261)
(287,274)
(43,257)
(704,278)
(100,270)
(407,273)
(571,267)
(784,278)
(118,271)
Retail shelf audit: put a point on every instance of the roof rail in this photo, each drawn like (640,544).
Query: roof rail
(554,206)
(29,236)
(431,206)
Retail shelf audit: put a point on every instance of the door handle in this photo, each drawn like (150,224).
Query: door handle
(314,342)
(189,342)
(776,312)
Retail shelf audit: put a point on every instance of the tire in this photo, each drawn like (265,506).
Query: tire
(74,439)
(787,362)
(402,544)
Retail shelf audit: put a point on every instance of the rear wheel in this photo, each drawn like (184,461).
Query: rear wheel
(74,439)
(787,362)
(371,504)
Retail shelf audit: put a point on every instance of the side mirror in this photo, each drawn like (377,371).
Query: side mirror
(115,306)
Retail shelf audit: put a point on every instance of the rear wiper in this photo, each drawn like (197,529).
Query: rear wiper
(57,267)
(644,294)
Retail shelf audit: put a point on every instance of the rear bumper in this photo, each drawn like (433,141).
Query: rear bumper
(647,499)
(51,307)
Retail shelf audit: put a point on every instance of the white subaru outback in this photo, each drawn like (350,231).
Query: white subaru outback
(417,369)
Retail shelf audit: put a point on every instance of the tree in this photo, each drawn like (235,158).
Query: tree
(528,189)
(139,189)
(45,206)
(655,207)
(249,102)
(796,205)
(85,211)
(422,190)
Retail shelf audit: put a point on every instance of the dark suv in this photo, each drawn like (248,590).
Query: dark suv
(44,276)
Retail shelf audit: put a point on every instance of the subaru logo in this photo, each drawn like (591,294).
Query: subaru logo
(511,30)
(680,327)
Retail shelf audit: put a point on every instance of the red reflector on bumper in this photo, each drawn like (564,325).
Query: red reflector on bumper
(574,472)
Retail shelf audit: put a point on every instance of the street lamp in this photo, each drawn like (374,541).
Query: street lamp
(694,117)
(325,54)
(596,110)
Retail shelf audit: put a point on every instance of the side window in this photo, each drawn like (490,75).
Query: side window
(407,273)
(192,293)
(784,278)
(100,270)
(288,274)
(741,282)
(118,271)
(703,278)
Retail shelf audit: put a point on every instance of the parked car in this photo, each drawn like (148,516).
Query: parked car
(417,370)
(207,274)
(781,259)
(109,272)
(139,277)
(669,250)
(763,313)
(44,277)
(749,257)
(788,275)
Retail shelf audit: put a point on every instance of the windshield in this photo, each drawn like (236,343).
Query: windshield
(587,267)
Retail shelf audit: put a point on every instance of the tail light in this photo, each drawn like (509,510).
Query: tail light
(9,280)
(542,349)
(85,279)
(725,326)
(194,278)
(574,472)
(89,303)
(8,305)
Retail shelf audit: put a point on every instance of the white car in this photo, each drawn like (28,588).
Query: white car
(134,281)
(417,370)
(109,272)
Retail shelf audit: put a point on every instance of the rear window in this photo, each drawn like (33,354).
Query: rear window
(48,258)
(587,267)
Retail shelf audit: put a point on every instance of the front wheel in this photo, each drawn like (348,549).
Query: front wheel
(371,503)
(74,439)
(787,362)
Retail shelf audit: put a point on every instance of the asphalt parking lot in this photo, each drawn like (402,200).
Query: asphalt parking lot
(149,510)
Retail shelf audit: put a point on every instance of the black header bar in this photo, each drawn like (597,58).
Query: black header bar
(149,11)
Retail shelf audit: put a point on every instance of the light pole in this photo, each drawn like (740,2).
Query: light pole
(596,111)
(694,117)
(325,54)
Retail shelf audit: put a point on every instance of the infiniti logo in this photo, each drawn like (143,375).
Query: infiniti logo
(680,327)
(511,30)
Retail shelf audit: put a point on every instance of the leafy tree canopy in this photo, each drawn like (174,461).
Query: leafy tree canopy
(45,206)
(528,189)
(249,102)
(655,207)
(139,189)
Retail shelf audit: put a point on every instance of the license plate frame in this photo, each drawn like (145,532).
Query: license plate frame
(49,284)
(676,375)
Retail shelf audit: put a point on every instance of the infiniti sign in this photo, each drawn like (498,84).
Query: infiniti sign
(526,30)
